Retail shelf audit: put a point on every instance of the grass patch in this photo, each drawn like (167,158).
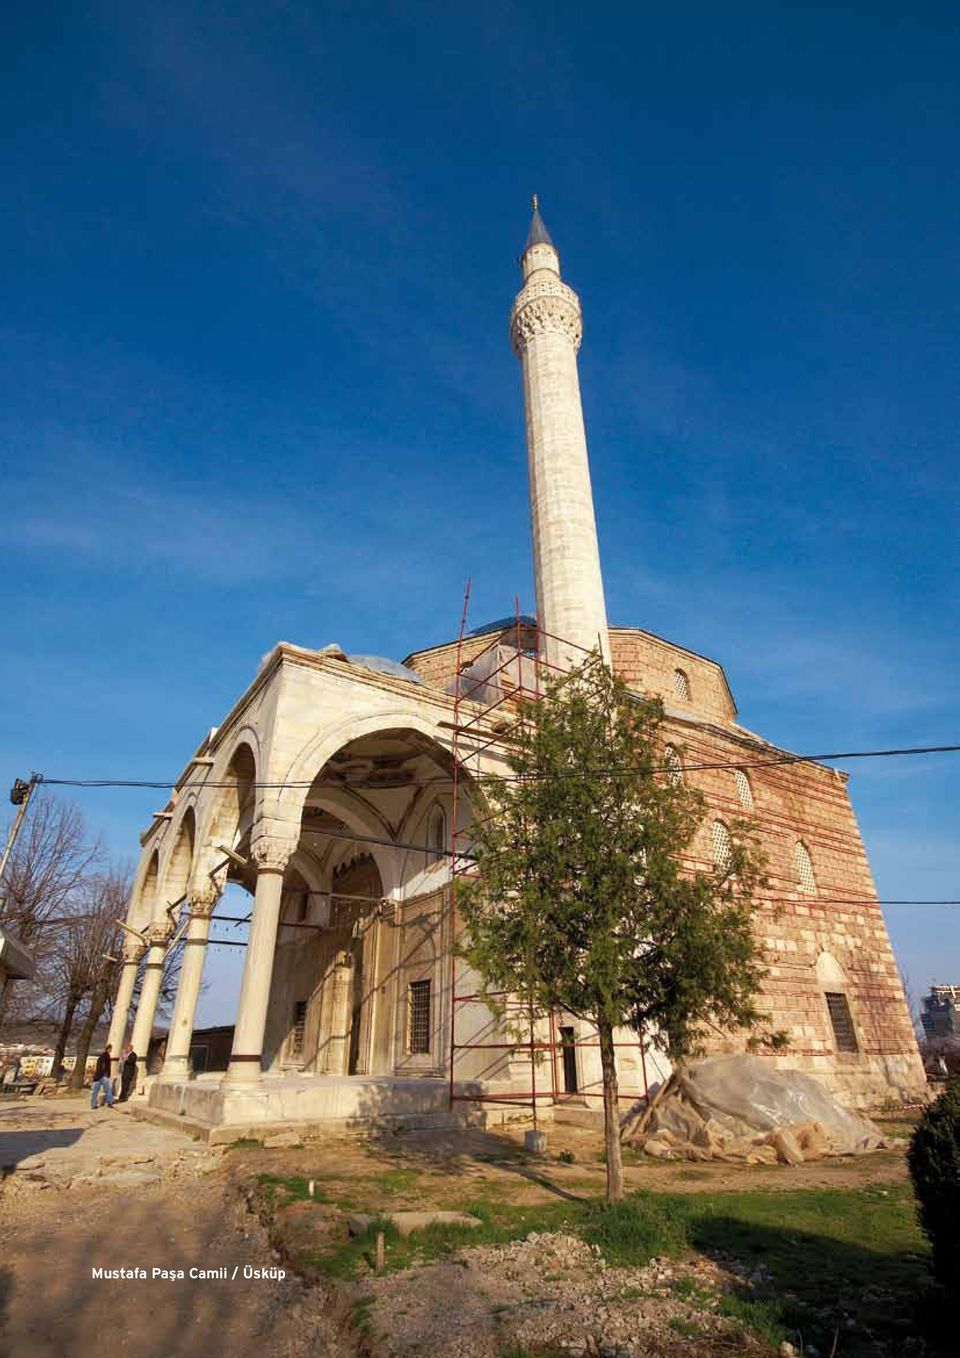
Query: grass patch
(687,1328)
(636,1230)
(246,1143)
(393,1181)
(688,1289)
(815,1256)
(280,1190)
(360,1317)
(767,1318)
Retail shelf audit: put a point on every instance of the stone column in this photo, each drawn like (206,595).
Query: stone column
(341,1015)
(132,952)
(545,330)
(158,936)
(176,1065)
(271,857)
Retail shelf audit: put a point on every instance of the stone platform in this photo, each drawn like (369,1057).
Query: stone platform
(316,1105)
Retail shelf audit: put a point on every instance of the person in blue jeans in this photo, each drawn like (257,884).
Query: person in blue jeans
(101,1079)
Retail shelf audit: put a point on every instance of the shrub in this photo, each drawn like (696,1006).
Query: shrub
(934,1160)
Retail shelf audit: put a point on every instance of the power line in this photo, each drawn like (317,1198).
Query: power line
(383,785)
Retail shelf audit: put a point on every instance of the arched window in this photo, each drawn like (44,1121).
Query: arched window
(722,845)
(674,765)
(804,866)
(681,685)
(744,790)
(437,834)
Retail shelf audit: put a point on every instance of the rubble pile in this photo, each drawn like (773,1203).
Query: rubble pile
(742,1109)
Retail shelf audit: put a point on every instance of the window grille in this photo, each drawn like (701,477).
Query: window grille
(844,1032)
(418,1019)
(722,846)
(299,1024)
(437,833)
(674,765)
(681,684)
(805,878)
(744,790)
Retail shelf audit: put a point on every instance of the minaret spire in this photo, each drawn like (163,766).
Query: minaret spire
(538,233)
(545,331)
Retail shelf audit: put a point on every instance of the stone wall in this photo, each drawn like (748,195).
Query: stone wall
(832,939)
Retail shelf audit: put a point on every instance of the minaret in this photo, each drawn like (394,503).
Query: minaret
(545,331)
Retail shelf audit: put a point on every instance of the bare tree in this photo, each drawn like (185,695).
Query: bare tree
(106,899)
(66,983)
(53,857)
(913,1004)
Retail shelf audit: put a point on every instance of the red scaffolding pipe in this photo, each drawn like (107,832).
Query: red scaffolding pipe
(465,746)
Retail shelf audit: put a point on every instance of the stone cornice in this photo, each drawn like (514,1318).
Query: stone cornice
(738,735)
(286,653)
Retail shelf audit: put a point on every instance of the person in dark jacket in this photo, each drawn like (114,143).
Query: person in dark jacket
(101,1079)
(128,1073)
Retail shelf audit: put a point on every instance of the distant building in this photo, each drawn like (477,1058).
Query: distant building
(940,1012)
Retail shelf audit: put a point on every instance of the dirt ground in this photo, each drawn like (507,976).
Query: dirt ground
(108,1190)
(138,1196)
(480,1157)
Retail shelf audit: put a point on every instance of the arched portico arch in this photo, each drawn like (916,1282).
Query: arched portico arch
(228,815)
(176,873)
(318,751)
(144,897)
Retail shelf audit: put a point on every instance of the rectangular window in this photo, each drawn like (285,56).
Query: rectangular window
(842,1020)
(299,1024)
(418,1018)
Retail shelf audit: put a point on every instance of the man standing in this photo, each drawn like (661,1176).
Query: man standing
(101,1079)
(128,1072)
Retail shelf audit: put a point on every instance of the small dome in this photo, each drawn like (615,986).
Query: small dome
(385,666)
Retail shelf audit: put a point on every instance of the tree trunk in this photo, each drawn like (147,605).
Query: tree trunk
(98,1001)
(611,1112)
(63,1036)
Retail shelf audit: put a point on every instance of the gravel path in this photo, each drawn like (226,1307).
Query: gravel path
(107,1191)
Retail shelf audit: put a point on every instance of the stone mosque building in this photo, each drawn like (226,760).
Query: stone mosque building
(337,791)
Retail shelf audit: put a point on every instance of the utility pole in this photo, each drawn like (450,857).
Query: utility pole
(20,795)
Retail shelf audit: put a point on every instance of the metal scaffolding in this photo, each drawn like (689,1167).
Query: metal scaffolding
(474,734)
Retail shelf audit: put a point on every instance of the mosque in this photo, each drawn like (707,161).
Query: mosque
(337,791)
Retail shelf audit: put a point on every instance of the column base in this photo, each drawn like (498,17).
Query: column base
(243,1072)
(175,1070)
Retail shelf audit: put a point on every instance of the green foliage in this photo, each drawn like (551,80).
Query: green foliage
(934,1160)
(634,1231)
(584,901)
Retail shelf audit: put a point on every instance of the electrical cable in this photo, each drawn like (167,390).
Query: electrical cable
(162,785)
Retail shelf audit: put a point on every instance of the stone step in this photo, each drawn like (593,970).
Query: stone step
(576,1115)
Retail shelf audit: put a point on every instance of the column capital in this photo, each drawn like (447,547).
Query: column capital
(133,950)
(272,853)
(159,933)
(203,903)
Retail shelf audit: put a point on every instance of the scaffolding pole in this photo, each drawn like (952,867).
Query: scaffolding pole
(465,746)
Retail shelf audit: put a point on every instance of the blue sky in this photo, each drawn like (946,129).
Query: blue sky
(256,264)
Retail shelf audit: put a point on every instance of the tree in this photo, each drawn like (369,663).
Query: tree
(52,859)
(106,900)
(584,901)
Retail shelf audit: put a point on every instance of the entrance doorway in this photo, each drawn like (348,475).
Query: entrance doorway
(569,1050)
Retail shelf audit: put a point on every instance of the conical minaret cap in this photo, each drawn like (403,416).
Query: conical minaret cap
(538,233)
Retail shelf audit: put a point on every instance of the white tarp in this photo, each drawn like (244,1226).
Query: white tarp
(743,1108)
